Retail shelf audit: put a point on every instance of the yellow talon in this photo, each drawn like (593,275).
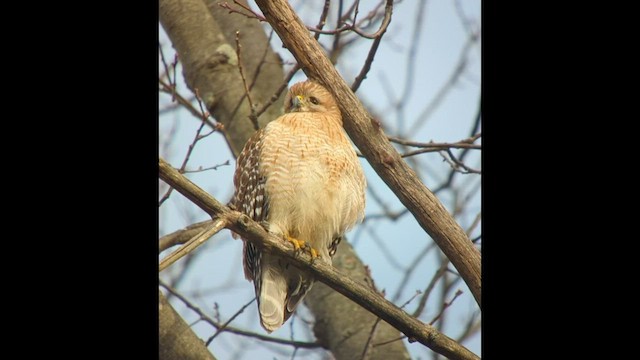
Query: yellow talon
(297,244)
(301,244)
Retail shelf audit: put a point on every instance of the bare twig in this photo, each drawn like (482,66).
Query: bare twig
(439,146)
(446,305)
(448,85)
(474,130)
(174,65)
(457,164)
(385,250)
(167,73)
(388,10)
(251,15)
(432,284)
(201,169)
(166,88)
(252,116)
(473,326)
(335,47)
(205,115)
(224,326)
(283,86)
(323,17)
(475,223)
(409,78)
(411,268)
(368,345)
(389,341)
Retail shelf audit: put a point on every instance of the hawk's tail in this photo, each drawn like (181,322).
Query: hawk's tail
(279,295)
(271,299)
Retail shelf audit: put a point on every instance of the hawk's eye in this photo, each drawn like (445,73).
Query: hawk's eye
(314,101)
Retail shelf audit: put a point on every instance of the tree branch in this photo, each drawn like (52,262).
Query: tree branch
(362,295)
(372,142)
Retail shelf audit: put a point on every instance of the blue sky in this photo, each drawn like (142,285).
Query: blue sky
(216,274)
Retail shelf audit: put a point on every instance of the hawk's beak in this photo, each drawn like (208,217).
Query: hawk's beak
(298,101)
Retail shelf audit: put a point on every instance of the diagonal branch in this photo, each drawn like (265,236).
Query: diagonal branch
(374,145)
(360,294)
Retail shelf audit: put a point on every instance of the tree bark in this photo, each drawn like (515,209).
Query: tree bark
(368,136)
(177,340)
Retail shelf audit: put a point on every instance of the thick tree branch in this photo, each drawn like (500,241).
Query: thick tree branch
(357,292)
(177,340)
(374,145)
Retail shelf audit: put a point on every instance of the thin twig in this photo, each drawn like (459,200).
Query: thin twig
(432,284)
(474,130)
(475,223)
(409,78)
(374,47)
(431,144)
(336,38)
(411,268)
(167,72)
(205,115)
(174,64)
(385,208)
(263,60)
(390,341)
(446,305)
(471,328)
(444,90)
(385,250)
(201,169)
(224,326)
(252,115)
(279,91)
(251,15)
(368,345)
(457,164)
(323,18)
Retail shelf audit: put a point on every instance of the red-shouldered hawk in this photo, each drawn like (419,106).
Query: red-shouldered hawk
(301,175)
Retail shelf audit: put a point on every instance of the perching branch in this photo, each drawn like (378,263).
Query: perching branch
(360,294)
(373,144)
